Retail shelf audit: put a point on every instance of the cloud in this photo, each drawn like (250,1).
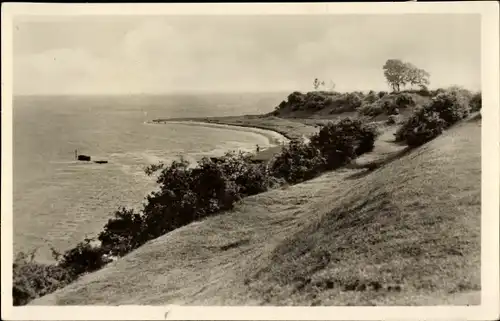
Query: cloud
(241,53)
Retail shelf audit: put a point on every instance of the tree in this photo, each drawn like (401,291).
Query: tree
(416,76)
(395,73)
(399,73)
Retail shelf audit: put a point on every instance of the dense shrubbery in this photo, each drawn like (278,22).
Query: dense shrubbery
(343,141)
(335,145)
(389,104)
(318,100)
(123,233)
(404,100)
(476,102)
(187,194)
(382,94)
(298,162)
(84,258)
(371,97)
(423,126)
(452,106)
(32,279)
(350,101)
(428,122)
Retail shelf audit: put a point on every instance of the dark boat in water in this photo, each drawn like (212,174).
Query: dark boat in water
(86,158)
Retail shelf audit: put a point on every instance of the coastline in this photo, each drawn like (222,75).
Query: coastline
(275,138)
(289,128)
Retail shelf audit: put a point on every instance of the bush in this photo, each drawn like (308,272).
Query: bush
(451,106)
(422,127)
(388,106)
(424,91)
(296,98)
(83,258)
(350,101)
(187,194)
(371,110)
(404,100)
(371,97)
(32,280)
(343,141)
(382,94)
(297,162)
(122,233)
(476,102)
(428,122)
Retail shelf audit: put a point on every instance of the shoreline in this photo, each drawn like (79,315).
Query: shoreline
(230,122)
(275,138)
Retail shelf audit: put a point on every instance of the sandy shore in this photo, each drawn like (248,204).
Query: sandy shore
(274,137)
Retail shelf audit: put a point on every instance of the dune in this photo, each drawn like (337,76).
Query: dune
(406,233)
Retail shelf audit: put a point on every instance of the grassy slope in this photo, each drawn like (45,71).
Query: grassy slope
(411,227)
(403,233)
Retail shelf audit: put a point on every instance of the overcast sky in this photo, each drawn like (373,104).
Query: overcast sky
(123,55)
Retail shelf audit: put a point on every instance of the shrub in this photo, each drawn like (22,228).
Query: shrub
(281,106)
(428,122)
(32,280)
(382,94)
(83,258)
(436,92)
(371,97)
(476,102)
(404,100)
(343,141)
(424,91)
(422,127)
(122,233)
(351,101)
(389,106)
(371,110)
(297,162)
(296,98)
(451,106)
(214,185)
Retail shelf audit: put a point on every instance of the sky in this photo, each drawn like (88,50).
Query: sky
(164,54)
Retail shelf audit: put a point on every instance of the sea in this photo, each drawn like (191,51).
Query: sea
(58,201)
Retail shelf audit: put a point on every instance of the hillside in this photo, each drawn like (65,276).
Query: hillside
(404,233)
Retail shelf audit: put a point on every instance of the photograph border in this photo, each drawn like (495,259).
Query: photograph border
(489,308)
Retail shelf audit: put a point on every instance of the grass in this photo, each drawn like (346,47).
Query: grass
(406,232)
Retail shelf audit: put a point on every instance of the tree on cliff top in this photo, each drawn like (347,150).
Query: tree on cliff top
(399,73)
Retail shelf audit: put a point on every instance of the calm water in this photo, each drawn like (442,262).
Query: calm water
(58,201)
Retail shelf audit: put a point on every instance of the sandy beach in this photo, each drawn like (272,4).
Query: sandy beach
(275,138)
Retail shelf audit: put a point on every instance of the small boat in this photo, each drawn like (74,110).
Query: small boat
(84,158)
(87,158)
